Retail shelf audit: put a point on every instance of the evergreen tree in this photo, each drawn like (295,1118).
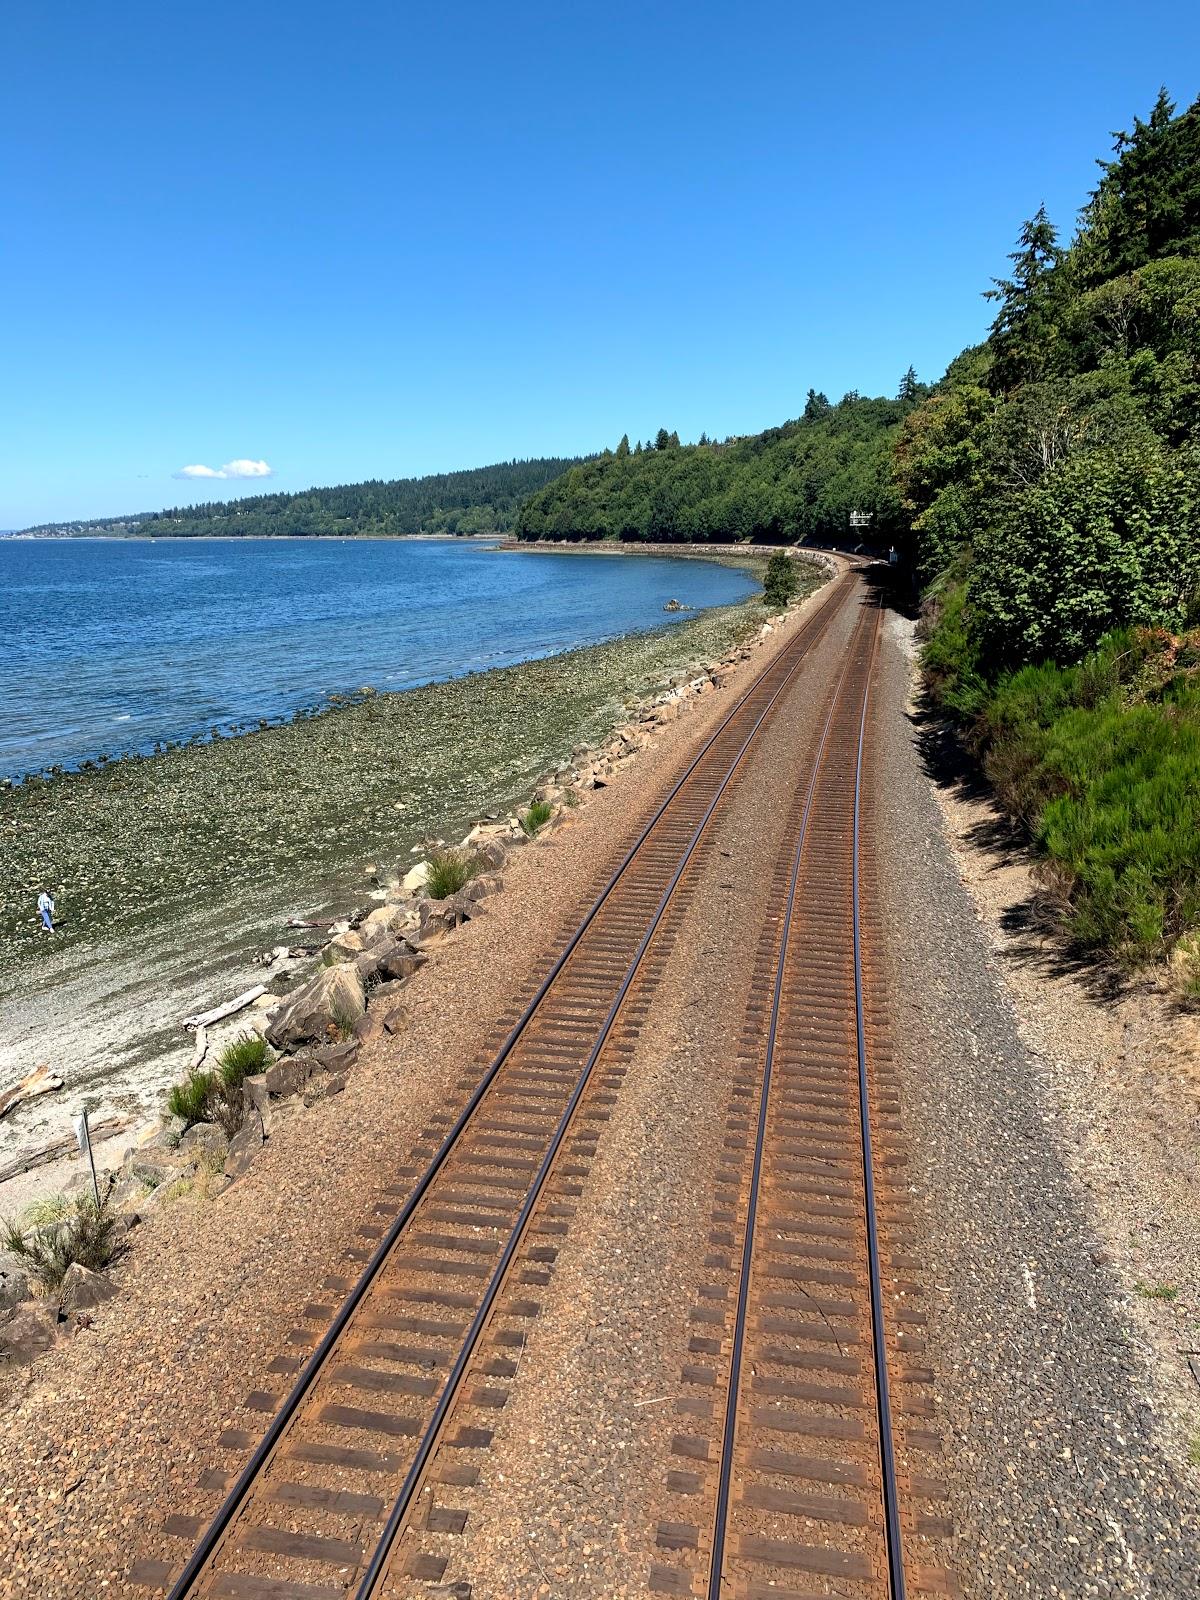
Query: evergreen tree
(816,406)
(910,389)
(623,447)
(673,440)
(1022,335)
(662,439)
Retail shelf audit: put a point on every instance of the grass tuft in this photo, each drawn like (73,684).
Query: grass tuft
(449,871)
(1157,1291)
(536,818)
(84,1234)
(244,1057)
(344,1021)
(189,1100)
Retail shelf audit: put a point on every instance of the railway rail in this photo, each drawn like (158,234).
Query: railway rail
(803,1458)
(387,1414)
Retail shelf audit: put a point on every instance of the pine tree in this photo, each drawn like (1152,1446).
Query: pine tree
(1024,330)
(623,447)
(662,439)
(910,388)
(816,406)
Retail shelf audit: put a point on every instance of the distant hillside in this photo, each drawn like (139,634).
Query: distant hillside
(798,481)
(479,500)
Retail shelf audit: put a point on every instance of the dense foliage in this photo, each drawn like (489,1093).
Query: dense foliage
(793,483)
(480,500)
(1053,484)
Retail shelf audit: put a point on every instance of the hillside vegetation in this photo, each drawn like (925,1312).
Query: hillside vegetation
(480,500)
(797,482)
(1053,484)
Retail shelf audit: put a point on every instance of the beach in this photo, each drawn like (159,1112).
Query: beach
(177,873)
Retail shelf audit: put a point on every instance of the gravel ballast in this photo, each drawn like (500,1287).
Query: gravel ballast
(1064,1475)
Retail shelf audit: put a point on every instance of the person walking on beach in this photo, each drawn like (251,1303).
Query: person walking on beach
(45,905)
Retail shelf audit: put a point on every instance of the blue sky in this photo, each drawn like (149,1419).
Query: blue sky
(376,239)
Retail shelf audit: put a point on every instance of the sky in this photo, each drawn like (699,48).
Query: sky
(285,244)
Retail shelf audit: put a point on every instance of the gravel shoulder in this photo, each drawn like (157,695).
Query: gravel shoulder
(110,1430)
(1052,1130)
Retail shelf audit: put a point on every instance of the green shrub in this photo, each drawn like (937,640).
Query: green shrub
(536,817)
(189,1100)
(1100,762)
(449,870)
(244,1057)
(779,581)
(84,1234)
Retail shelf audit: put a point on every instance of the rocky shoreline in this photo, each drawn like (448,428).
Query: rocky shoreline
(183,871)
(321,1002)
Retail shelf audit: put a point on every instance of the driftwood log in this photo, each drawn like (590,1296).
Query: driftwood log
(40,1081)
(219,1013)
(62,1146)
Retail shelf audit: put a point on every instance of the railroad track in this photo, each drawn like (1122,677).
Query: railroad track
(799,1469)
(388,1414)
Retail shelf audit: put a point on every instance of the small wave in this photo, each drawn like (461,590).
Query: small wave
(125,716)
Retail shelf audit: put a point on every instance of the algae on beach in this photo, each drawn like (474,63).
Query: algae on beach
(298,806)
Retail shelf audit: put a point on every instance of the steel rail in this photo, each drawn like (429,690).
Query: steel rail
(887,1452)
(729,1435)
(429,1439)
(810,634)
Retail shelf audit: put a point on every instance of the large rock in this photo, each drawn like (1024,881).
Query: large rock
(14,1284)
(401,963)
(415,878)
(440,917)
(310,1013)
(204,1141)
(290,1075)
(81,1289)
(483,885)
(243,1148)
(27,1333)
(337,1057)
(347,945)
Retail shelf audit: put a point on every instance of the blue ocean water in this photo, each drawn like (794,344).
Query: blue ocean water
(107,646)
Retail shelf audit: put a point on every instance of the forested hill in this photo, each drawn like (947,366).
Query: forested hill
(799,481)
(1053,476)
(1053,481)
(479,500)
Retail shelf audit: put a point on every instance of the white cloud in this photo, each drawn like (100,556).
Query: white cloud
(241,468)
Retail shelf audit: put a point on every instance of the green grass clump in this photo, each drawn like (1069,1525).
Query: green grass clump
(343,1021)
(1157,1291)
(1194,1450)
(189,1100)
(83,1234)
(449,871)
(243,1057)
(537,816)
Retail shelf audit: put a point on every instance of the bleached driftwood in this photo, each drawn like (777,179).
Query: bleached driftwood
(62,1146)
(40,1081)
(201,1049)
(219,1013)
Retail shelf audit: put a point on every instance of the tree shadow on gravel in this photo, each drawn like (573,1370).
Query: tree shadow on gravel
(1037,935)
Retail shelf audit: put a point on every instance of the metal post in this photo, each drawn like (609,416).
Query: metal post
(83,1136)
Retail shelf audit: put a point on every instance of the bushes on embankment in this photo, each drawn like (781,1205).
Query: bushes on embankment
(1100,763)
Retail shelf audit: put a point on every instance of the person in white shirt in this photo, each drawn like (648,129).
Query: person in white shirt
(45,905)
